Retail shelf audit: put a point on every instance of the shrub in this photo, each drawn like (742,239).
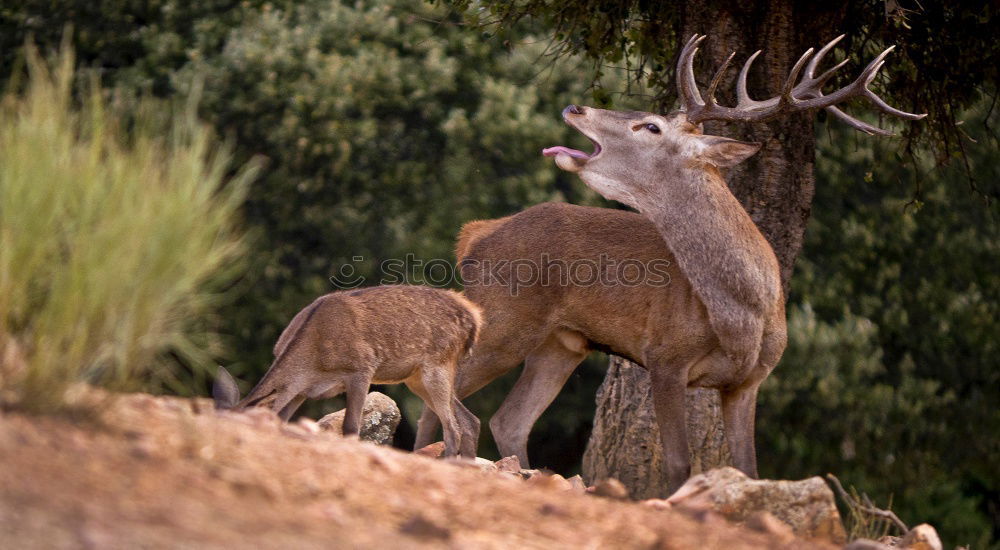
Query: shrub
(113,242)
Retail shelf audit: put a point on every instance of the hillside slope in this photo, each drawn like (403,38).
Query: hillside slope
(159,472)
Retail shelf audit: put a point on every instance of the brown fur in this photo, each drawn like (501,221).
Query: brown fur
(347,340)
(719,323)
(472,232)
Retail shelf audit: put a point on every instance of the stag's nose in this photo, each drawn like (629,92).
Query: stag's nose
(573,110)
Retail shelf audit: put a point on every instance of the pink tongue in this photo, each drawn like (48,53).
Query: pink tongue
(553,151)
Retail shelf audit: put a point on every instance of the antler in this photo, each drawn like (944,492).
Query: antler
(805,95)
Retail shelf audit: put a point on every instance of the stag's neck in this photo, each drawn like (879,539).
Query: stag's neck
(717,246)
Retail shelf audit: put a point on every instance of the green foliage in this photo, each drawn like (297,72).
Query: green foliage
(387,125)
(110,241)
(890,377)
(946,56)
(135,44)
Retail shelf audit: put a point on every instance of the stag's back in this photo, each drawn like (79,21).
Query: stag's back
(598,271)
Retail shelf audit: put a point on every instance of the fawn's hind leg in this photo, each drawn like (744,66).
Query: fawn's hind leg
(435,385)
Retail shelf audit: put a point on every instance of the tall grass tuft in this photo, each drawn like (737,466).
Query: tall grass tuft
(117,232)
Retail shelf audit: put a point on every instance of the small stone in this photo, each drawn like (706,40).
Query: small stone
(142,449)
(891,541)
(657,503)
(379,418)
(309,425)
(422,527)
(921,537)
(434,450)
(508,464)
(552,482)
(296,430)
(609,488)
(577,484)
(868,544)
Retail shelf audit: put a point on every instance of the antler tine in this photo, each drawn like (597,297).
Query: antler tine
(710,93)
(819,81)
(889,109)
(815,61)
(687,87)
(793,77)
(858,124)
(742,97)
(859,88)
(871,70)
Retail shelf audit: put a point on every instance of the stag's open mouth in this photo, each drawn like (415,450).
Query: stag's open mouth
(567,158)
(575,153)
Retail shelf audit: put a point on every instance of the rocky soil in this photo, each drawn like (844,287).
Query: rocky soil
(160,472)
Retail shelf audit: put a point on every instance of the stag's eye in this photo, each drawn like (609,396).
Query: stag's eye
(653,128)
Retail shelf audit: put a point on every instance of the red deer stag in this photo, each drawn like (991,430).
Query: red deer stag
(719,323)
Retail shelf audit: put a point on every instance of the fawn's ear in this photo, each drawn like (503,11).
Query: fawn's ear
(225,391)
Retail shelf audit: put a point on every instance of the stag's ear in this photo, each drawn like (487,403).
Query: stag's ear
(723,151)
(225,391)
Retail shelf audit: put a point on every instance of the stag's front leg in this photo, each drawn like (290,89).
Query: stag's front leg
(669,387)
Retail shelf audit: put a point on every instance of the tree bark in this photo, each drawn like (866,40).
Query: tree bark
(630,450)
(775,187)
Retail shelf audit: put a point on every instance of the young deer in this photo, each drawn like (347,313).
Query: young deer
(719,323)
(345,341)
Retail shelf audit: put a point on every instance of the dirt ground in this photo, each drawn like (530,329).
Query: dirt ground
(158,472)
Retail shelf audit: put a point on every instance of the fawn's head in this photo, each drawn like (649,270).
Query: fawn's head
(636,154)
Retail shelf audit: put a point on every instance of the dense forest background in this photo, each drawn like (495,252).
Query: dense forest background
(385,125)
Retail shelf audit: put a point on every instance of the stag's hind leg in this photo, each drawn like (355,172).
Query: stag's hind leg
(546,370)
(495,354)
(739,405)
(739,408)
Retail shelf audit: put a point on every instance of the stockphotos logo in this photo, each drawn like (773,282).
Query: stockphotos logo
(514,275)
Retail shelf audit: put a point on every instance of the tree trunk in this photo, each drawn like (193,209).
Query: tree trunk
(630,450)
(775,187)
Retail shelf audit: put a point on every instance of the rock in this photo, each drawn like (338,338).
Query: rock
(656,503)
(379,419)
(577,484)
(309,425)
(419,526)
(888,540)
(509,464)
(477,463)
(764,522)
(921,537)
(484,463)
(553,482)
(807,506)
(609,488)
(434,450)
(868,544)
